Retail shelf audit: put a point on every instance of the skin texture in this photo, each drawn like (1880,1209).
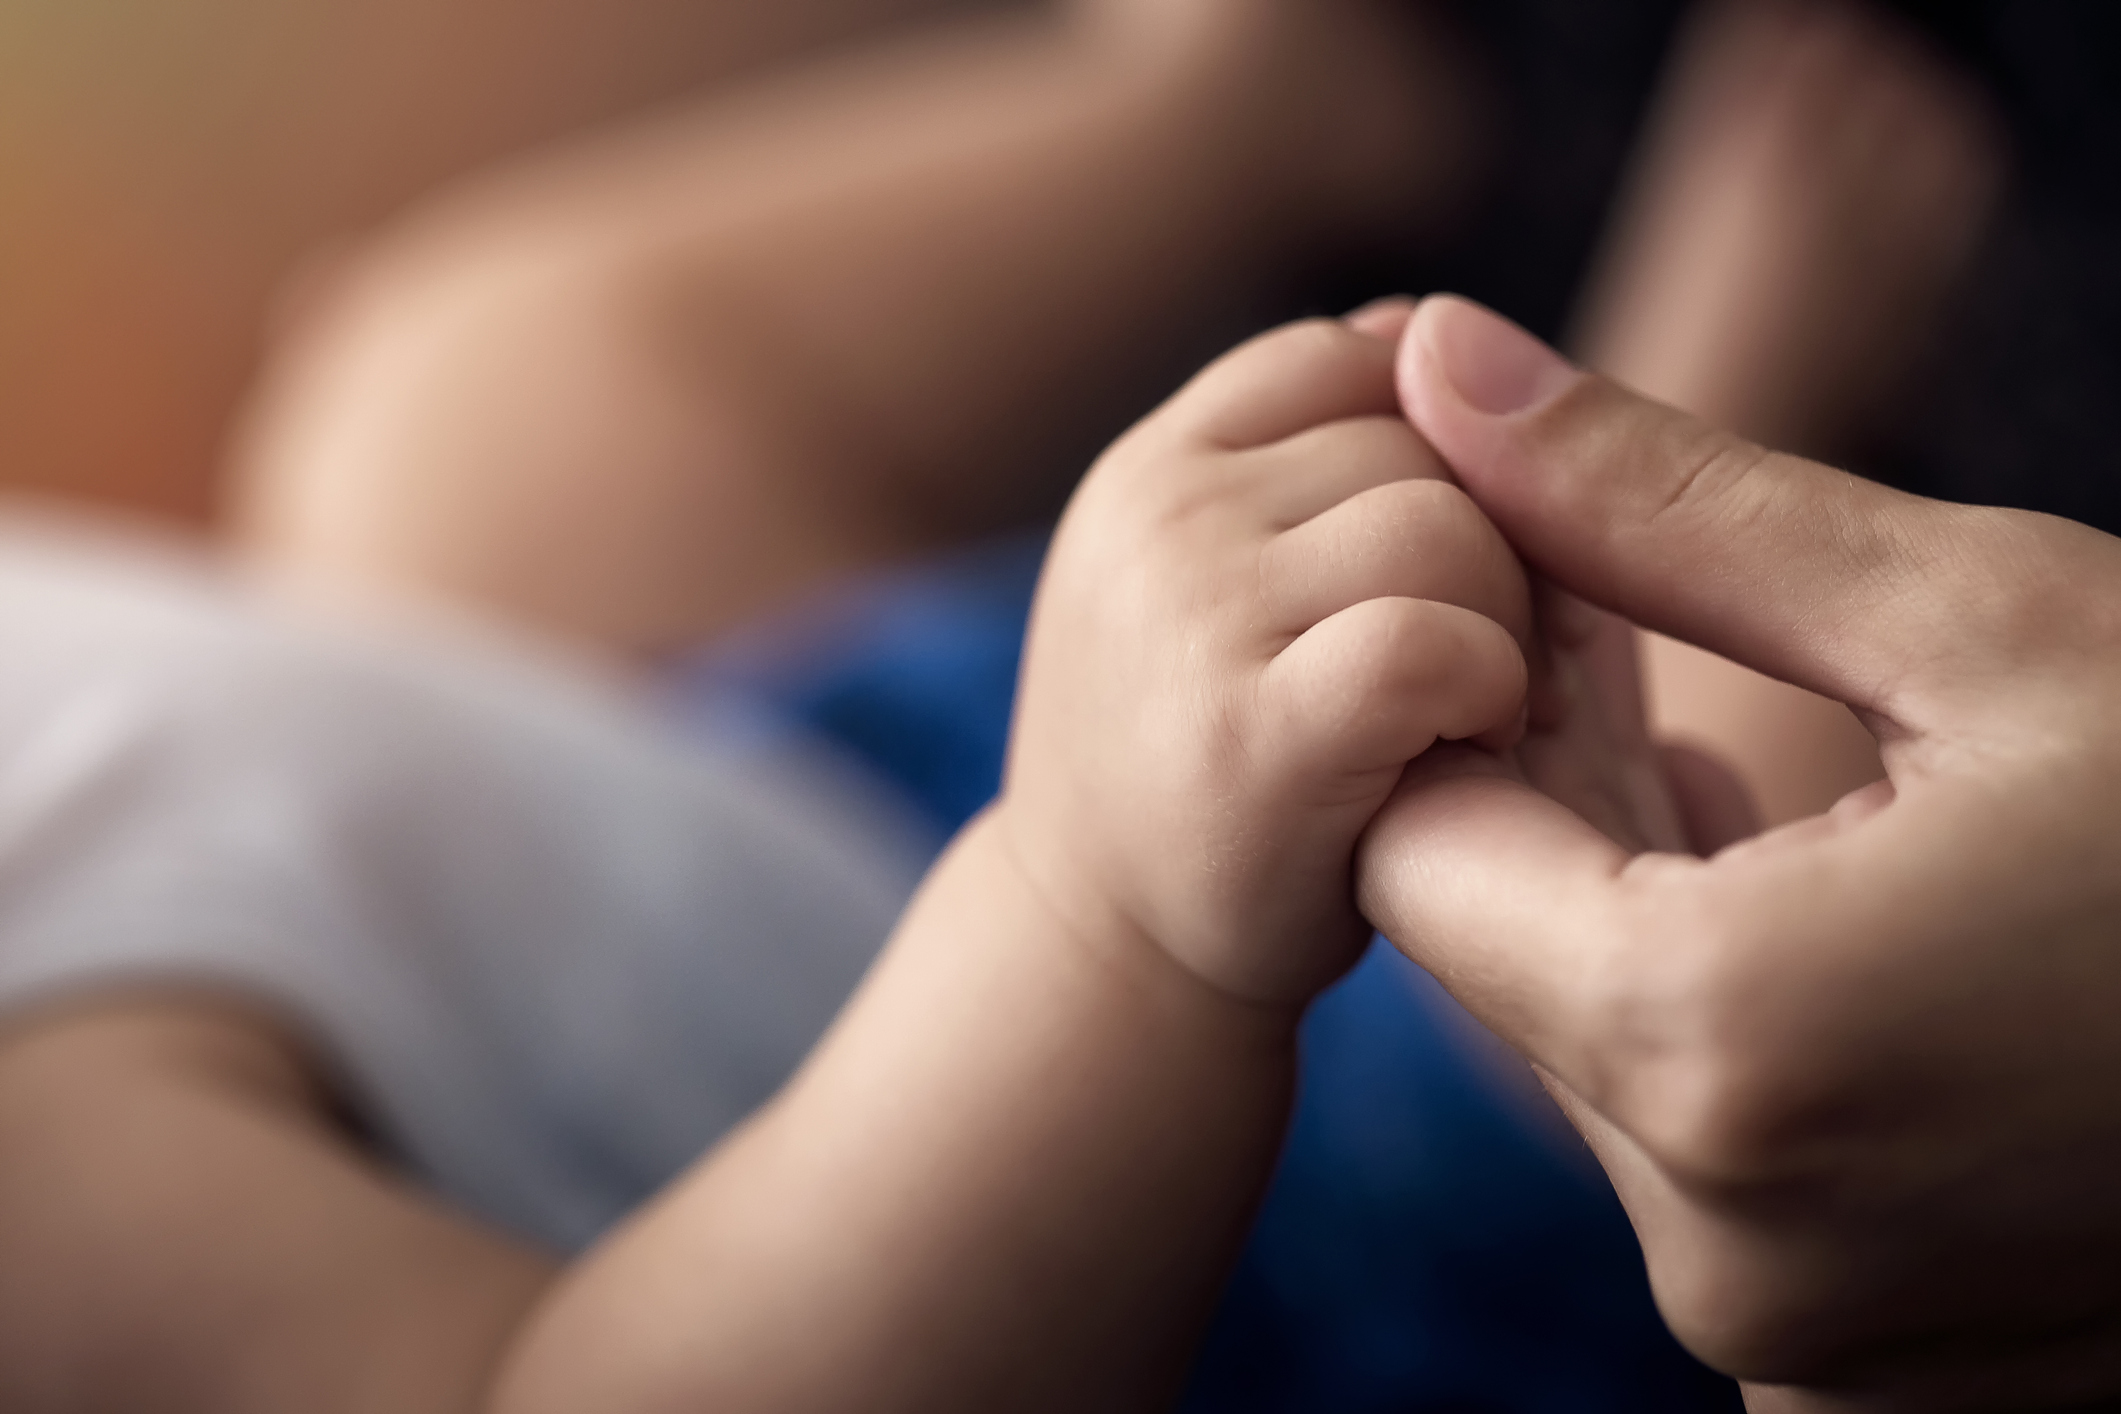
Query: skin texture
(1855,1078)
(1012,1175)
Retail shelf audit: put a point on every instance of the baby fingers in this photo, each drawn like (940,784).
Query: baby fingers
(1317,469)
(1415,539)
(1284,382)
(1378,683)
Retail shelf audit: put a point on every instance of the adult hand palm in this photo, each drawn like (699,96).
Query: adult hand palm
(1858,1080)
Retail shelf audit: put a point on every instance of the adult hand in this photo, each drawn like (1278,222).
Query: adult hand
(1857,1080)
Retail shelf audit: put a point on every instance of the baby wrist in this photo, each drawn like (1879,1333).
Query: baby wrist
(1090,922)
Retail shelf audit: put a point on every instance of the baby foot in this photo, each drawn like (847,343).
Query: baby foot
(1813,185)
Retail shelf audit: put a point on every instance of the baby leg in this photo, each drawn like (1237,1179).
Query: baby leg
(641,387)
(163,167)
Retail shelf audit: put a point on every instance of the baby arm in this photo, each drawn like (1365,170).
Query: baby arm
(1013,1174)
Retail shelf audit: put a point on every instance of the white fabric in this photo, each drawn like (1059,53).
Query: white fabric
(555,943)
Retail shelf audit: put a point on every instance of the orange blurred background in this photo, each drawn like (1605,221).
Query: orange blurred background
(166,168)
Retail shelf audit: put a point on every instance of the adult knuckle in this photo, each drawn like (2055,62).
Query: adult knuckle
(1602,449)
(1711,474)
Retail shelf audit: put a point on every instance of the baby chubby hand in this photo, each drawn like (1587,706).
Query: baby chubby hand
(1263,602)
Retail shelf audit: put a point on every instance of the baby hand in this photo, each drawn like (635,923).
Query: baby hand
(1262,603)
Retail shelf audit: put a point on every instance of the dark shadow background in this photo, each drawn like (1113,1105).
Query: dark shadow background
(2015,404)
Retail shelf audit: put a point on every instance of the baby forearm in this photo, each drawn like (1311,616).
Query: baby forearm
(1010,1178)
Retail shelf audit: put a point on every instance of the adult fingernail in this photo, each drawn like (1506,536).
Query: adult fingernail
(1494,366)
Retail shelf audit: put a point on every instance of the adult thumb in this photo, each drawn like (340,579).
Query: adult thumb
(1796,569)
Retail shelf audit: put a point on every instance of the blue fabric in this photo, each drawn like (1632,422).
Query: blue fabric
(1430,1243)
(910,674)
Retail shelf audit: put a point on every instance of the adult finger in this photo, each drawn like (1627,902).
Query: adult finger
(1500,892)
(1652,985)
(1599,964)
(1806,573)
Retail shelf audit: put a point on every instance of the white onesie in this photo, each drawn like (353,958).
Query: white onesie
(555,941)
